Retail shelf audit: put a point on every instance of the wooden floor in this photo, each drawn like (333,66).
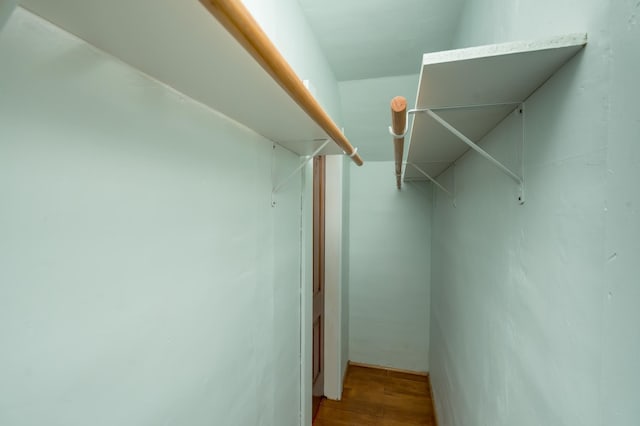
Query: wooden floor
(375,397)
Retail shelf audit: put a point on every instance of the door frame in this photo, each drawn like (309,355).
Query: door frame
(306,295)
(335,340)
(336,288)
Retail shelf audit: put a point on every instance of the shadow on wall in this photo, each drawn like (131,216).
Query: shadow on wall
(6,8)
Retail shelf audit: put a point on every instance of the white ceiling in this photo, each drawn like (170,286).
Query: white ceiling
(380,38)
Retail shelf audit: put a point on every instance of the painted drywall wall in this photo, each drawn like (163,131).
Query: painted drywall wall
(522,328)
(389,249)
(6,9)
(145,278)
(361,40)
(284,369)
(621,336)
(286,25)
(367,112)
(496,21)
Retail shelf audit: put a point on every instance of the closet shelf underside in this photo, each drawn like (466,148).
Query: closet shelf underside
(474,89)
(189,50)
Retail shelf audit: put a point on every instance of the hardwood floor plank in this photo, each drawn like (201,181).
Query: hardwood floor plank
(370,407)
(373,384)
(413,422)
(406,387)
(379,397)
(330,416)
(407,376)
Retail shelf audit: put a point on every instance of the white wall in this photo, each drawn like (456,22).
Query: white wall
(284,370)
(523,330)
(145,278)
(6,9)
(333,278)
(366,108)
(621,336)
(389,249)
(285,24)
(496,21)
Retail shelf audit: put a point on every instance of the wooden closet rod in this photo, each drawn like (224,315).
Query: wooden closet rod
(399,127)
(235,17)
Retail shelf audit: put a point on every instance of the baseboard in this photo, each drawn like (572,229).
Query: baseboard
(380,367)
(433,401)
(344,376)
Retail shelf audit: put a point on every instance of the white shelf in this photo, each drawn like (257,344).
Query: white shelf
(454,83)
(180,44)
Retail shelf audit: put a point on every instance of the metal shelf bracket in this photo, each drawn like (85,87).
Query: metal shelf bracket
(518,178)
(303,162)
(435,182)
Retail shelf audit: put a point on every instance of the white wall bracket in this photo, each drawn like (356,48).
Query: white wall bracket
(518,178)
(303,162)
(435,182)
(404,132)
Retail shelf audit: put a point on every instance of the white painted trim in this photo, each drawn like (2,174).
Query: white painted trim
(334,371)
(333,278)
(306,305)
